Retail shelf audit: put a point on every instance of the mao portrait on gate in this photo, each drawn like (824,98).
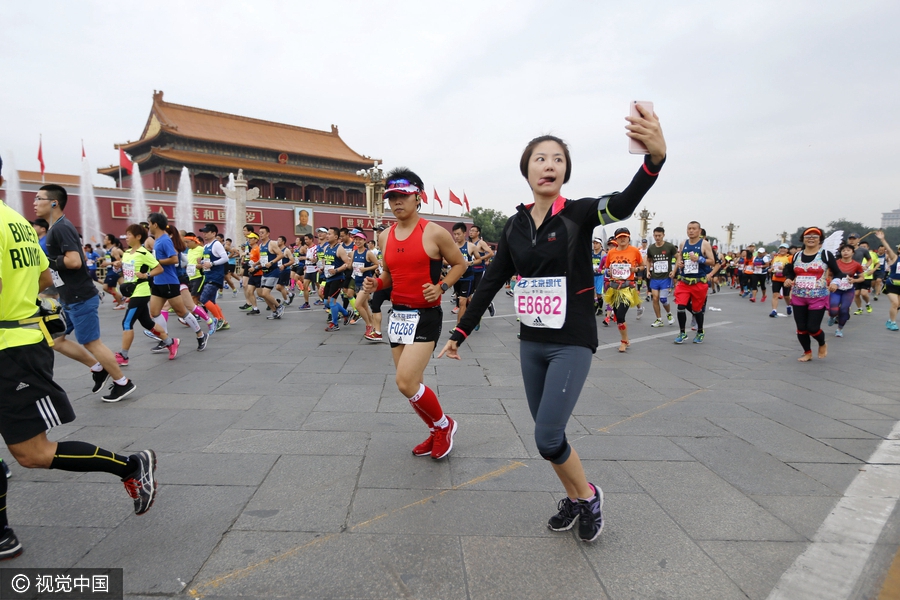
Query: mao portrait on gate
(303,221)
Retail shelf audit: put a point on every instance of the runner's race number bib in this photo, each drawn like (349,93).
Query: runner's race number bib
(57,280)
(806,282)
(402,326)
(691,267)
(357,269)
(660,266)
(128,272)
(620,270)
(191,270)
(541,302)
(845,284)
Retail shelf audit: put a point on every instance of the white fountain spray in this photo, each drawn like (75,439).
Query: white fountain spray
(139,210)
(13,188)
(184,203)
(230,211)
(90,218)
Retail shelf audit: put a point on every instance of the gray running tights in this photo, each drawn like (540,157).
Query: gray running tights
(554,375)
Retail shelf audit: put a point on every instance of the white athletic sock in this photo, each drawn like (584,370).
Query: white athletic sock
(122,381)
(161,321)
(97,368)
(443,423)
(191,320)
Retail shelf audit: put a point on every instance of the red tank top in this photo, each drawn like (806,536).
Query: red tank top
(410,268)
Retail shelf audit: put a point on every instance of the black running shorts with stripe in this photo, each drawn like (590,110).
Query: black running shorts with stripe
(30,401)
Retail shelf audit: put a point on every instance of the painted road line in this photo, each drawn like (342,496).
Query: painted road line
(831,565)
(199,590)
(641,414)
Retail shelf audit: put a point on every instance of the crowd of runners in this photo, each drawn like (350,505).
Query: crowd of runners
(547,258)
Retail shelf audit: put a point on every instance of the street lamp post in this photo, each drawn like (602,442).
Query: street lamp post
(644,216)
(730,228)
(374,177)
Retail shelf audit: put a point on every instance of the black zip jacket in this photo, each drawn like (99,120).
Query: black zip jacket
(561,246)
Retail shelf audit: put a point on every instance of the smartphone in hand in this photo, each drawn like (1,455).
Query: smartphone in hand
(635,146)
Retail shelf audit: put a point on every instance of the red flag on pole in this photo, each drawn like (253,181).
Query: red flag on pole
(41,155)
(454,199)
(125,163)
(466,200)
(437,198)
(83,156)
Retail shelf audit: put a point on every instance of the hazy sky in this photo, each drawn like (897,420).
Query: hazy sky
(775,112)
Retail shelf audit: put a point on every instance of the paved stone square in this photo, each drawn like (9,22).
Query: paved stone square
(286,472)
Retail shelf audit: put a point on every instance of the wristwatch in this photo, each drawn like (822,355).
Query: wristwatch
(444,287)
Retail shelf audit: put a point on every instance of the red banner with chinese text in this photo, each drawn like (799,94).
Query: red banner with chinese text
(121,209)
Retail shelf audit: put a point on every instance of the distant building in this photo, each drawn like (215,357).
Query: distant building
(306,177)
(285,162)
(891,219)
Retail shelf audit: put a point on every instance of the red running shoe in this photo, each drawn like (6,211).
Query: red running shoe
(424,449)
(173,349)
(443,440)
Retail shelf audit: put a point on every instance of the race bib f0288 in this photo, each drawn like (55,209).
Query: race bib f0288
(402,326)
(541,302)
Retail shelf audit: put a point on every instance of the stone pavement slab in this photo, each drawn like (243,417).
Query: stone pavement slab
(286,470)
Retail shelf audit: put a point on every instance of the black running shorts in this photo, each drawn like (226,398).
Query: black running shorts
(30,401)
(429,327)
(195,285)
(463,288)
(166,290)
(333,288)
(378,298)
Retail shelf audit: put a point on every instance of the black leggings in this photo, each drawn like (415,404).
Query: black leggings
(619,311)
(809,325)
(138,310)
(760,282)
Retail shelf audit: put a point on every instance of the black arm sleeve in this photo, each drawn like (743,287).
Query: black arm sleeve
(622,205)
(789,269)
(831,261)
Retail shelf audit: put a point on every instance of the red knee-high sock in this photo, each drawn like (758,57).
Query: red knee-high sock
(427,401)
(421,414)
(214,309)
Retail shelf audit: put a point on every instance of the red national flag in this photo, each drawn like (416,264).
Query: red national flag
(454,199)
(437,198)
(466,200)
(83,156)
(41,155)
(124,162)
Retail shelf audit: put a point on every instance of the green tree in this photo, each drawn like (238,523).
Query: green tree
(848,227)
(490,222)
(844,225)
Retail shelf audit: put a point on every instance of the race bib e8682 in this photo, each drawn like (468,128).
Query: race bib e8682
(541,301)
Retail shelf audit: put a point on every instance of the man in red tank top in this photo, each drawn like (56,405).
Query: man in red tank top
(414,250)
